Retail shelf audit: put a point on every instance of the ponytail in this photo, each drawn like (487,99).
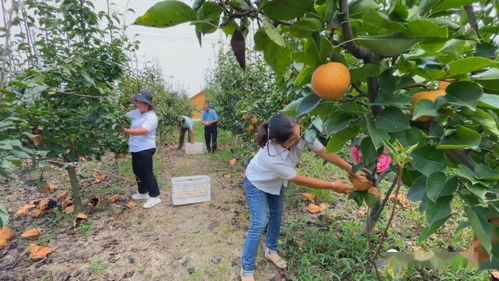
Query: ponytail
(262,136)
(279,128)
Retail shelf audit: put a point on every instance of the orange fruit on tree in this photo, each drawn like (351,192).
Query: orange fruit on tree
(331,80)
(246,117)
(254,120)
(442,85)
(250,128)
(426,95)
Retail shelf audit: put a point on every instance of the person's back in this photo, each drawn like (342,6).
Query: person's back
(185,124)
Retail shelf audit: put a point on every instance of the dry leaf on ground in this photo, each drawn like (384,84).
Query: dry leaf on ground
(232,162)
(80,217)
(7,233)
(43,204)
(312,208)
(24,210)
(401,199)
(36,213)
(227,176)
(32,233)
(113,198)
(131,204)
(69,209)
(100,177)
(362,212)
(308,197)
(323,206)
(48,188)
(63,196)
(37,252)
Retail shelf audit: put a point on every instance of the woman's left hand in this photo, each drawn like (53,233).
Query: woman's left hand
(360,181)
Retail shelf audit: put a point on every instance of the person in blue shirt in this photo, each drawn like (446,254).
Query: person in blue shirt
(209,118)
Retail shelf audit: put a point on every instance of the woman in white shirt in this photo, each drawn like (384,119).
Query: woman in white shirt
(142,145)
(266,176)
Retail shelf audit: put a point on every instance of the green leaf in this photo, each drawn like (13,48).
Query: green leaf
(486,173)
(398,43)
(379,19)
(337,141)
(430,229)
(483,118)
(409,137)
(166,14)
(230,27)
(287,9)
(273,33)
(438,185)
(377,135)
(290,109)
(4,217)
(478,228)
(308,104)
(463,93)
(392,119)
(398,11)
(418,189)
(337,122)
(369,153)
(489,101)
(277,57)
(304,76)
(461,138)
(197,4)
(209,13)
(436,211)
(427,28)
(488,79)
(428,160)
(445,5)
(305,26)
(364,72)
(261,39)
(424,108)
(470,64)
(359,7)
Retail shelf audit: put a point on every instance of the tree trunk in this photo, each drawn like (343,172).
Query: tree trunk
(75,188)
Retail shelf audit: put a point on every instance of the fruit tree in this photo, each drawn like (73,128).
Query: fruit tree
(393,50)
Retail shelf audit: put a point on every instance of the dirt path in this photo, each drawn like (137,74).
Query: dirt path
(192,242)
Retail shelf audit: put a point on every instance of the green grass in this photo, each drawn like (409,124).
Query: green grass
(97,267)
(85,228)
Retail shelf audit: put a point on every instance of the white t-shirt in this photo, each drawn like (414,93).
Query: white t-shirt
(148,121)
(187,124)
(270,172)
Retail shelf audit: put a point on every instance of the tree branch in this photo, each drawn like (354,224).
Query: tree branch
(358,51)
(472,18)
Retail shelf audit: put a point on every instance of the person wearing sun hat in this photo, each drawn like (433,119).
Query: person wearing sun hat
(142,146)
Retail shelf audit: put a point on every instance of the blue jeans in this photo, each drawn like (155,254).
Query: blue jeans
(266,212)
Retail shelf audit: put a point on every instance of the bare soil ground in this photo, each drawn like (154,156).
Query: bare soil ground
(191,242)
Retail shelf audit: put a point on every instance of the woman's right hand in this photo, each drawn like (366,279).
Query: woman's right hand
(342,186)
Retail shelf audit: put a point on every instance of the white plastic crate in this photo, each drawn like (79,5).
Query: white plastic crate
(189,190)
(195,148)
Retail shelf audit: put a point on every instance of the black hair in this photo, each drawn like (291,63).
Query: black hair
(279,127)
